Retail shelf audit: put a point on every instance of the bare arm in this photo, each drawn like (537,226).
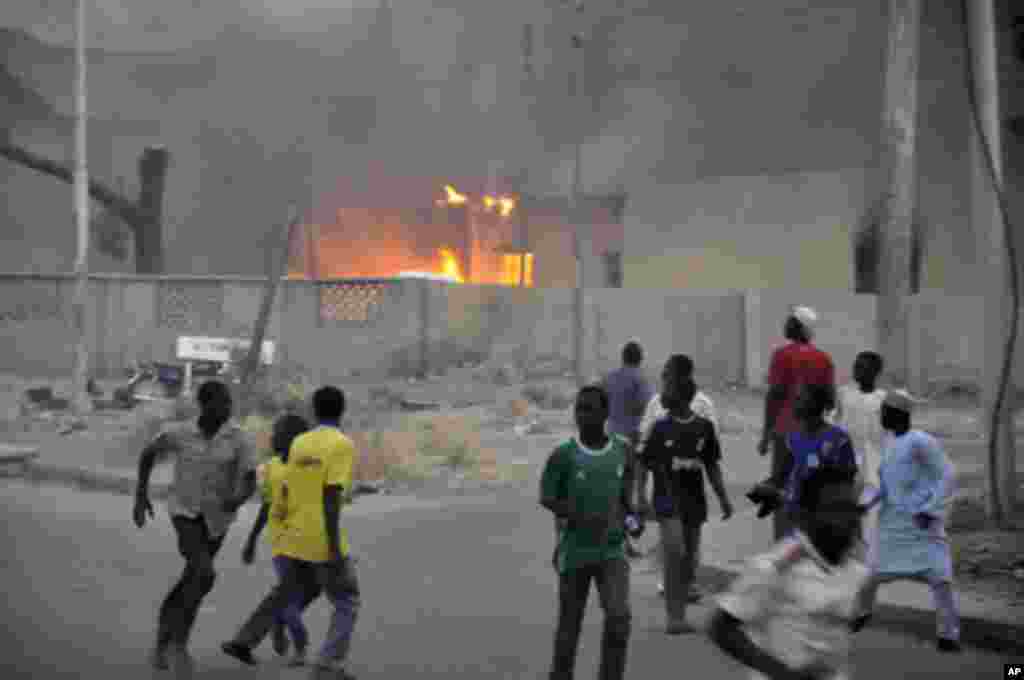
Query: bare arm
(147,461)
(333,496)
(259,524)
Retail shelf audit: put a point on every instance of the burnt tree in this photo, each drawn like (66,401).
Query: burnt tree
(144,216)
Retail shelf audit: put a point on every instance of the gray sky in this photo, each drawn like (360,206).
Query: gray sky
(165,25)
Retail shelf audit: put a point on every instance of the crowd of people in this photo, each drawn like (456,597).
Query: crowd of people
(856,496)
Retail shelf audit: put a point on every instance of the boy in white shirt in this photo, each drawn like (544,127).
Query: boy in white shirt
(788,615)
(858,411)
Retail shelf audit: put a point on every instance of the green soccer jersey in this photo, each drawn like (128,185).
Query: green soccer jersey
(592,482)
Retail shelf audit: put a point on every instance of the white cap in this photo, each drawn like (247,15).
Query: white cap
(901,400)
(805,315)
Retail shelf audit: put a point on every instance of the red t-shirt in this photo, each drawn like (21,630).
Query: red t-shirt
(795,365)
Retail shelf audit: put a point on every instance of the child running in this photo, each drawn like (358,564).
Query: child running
(682,445)
(788,615)
(858,412)
(286,429)
(586,484)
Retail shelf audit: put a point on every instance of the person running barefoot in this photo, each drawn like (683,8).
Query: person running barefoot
(916,484)
(681,447)
(586,485)
(214,475)
(286,429)
(788,614)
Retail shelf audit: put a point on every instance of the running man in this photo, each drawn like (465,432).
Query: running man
(286,429)
(214,475)
(788,615)
(313,545)
(586,485)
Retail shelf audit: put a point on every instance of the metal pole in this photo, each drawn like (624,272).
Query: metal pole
(579,94)
(80,397)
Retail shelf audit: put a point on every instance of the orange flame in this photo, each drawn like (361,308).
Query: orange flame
(450,265)
(453,197)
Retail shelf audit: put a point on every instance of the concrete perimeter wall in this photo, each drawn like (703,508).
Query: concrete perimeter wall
(386,326)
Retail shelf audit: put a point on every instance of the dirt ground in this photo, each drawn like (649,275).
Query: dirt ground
(510,435)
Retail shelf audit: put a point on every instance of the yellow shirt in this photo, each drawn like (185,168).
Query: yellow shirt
(272,484)
(320,458)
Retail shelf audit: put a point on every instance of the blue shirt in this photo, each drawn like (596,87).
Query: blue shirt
(830,447)
(628,394)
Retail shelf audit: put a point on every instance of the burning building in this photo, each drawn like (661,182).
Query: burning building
(466,237)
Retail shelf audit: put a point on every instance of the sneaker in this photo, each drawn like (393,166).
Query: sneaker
(661,589)
(298,658)
(280,639)
(948,645)
(327,669)
(240,652)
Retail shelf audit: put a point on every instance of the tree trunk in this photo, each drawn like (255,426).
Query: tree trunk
(999,276)
(144,218)
(149,242)
(899,174)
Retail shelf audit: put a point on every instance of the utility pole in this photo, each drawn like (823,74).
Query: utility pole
(80,399)
(994,237)
(277,267)
(898,165)
(579,95)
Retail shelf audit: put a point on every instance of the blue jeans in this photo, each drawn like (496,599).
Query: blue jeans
(291,615)
(337,581)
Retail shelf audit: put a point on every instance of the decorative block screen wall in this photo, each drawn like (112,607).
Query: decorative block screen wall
(24,301)
(190,306)
(355,302)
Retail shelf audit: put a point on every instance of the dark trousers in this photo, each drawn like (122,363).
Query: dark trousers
(680,550)
(612,580)
(782,463)
(179,608)
(299,580)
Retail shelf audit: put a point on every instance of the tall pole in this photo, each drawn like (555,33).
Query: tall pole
(579,94)
(898,165)
(80,398)
(991,231)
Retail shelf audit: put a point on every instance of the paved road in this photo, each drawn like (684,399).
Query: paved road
(451,591)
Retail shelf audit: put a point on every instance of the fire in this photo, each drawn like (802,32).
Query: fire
(505,204)
(450,265)
(512,268)
(453,197)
